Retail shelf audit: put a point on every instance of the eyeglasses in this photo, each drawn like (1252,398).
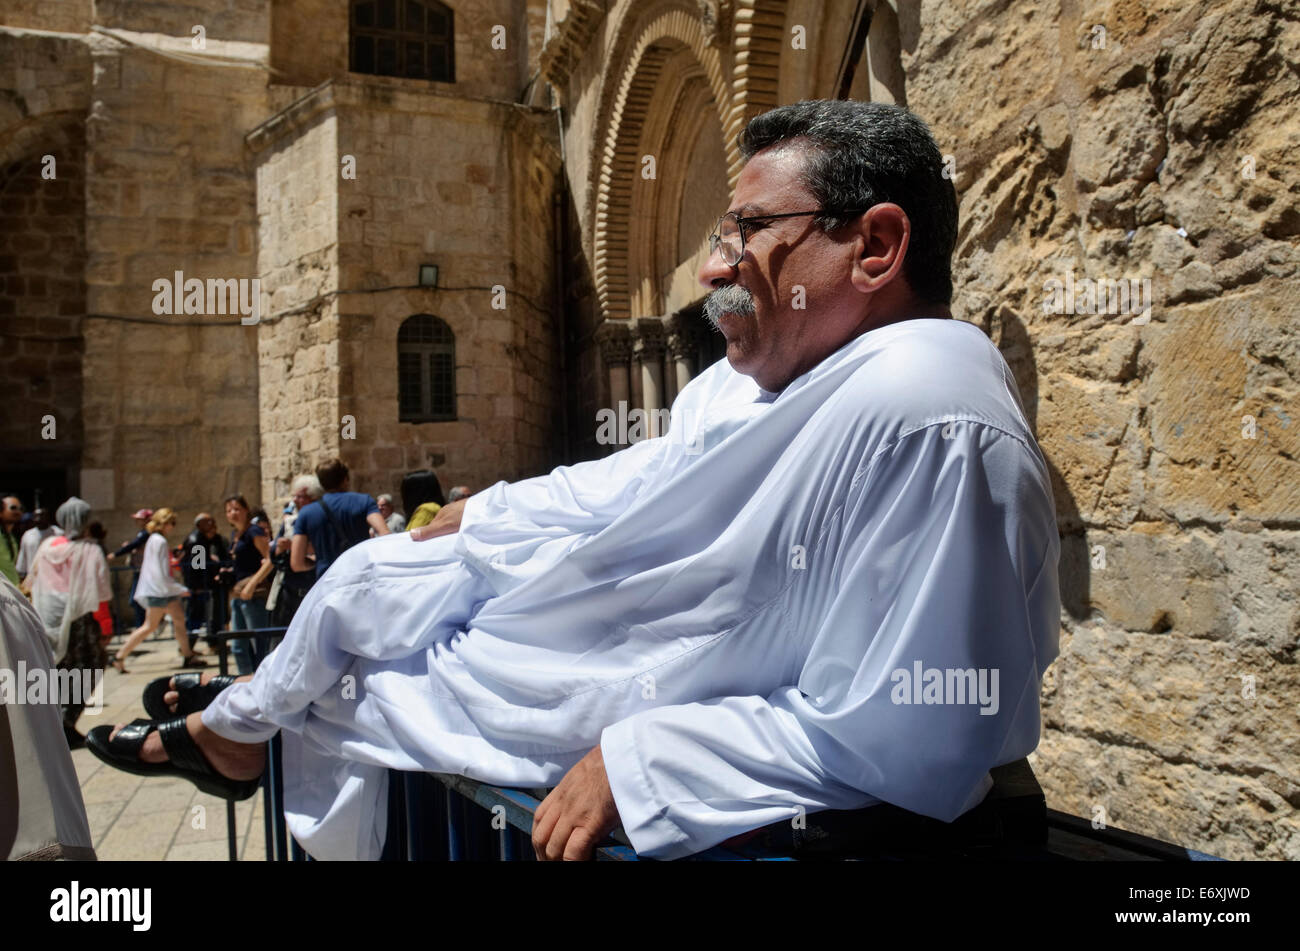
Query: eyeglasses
(729,232)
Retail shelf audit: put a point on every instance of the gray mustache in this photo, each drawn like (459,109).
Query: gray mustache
(732,299)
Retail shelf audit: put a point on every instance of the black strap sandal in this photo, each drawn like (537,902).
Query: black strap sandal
(194,695)
(185,759)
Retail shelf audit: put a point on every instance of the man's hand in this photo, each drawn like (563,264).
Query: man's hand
(445,522)
(578,813)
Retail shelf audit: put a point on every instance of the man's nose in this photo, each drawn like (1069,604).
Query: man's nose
(715,270)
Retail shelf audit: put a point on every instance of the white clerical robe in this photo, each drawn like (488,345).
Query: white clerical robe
(837,595)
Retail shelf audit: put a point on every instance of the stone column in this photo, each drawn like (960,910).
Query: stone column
(615,342)
(681,344)
(649,349)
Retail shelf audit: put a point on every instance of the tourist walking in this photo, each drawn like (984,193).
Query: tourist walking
(159,593)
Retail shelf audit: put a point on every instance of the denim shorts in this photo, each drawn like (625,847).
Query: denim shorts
(158,602)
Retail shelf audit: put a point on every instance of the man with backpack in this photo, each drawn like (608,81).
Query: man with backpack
(336,522)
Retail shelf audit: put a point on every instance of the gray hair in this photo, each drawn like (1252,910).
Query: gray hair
(385,497)
(861,154)
(308,482)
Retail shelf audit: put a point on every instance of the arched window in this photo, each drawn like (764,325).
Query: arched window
(426,370)
(408,38)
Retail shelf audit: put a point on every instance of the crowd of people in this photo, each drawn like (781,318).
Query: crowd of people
(254,578)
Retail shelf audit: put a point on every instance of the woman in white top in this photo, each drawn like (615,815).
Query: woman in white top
(159,593)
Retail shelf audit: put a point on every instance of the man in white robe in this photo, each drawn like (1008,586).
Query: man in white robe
(831,584)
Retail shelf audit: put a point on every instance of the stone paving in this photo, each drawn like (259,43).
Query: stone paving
(140,818)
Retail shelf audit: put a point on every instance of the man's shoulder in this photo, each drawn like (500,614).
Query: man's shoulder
(357,501)
(920,372)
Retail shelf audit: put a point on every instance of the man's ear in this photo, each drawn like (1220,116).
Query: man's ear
(880,247)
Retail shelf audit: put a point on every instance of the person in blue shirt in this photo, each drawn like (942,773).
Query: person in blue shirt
(336,522)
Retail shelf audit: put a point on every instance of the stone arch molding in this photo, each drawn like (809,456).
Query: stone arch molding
(619,162)
(644,41)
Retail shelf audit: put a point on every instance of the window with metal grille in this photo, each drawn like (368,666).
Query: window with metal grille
(426,370)
(407,38)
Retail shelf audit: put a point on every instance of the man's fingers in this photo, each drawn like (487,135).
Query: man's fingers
(581,845)
(558,840)
(543,823)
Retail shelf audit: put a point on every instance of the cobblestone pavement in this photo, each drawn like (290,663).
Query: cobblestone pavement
(152,819)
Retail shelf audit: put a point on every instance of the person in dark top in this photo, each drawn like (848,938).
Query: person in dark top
(11,513)
(203,555)
(336,522)
(250,548)
(293,585)
(422,497)
(135,548)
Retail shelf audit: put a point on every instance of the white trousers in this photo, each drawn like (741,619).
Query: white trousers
(352,689)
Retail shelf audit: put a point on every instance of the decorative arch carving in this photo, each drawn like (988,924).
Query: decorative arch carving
(644,38)
(624,112)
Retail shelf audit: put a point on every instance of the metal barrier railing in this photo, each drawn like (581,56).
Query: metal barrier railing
(261,642)
(437,817)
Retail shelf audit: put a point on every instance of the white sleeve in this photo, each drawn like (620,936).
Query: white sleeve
(569,500)
(947,563)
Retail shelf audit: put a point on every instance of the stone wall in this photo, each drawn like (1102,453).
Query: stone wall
(464,185)
(171,407)
(1133,140)
(46,83)
(459,183)
(298,339)
(310,45)
(60,16)
(43,301)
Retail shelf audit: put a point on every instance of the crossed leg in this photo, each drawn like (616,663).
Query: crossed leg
(436,594)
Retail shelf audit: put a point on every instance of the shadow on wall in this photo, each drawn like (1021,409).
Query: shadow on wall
(1012,338)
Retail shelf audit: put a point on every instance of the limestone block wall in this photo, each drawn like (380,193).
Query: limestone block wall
(1154,141)
(171,409)
(298,340)
(46,90)
(465,185)
(43,302)
(310,45)
(60,16)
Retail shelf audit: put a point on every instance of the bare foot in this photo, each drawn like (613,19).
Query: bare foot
(171,697)
(233,760)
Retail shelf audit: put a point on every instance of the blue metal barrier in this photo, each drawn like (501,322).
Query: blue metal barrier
(261,642)
(435,817)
